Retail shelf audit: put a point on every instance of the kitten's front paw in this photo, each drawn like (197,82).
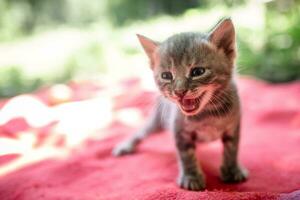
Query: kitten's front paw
(194,183)
(123,149)
(233,174)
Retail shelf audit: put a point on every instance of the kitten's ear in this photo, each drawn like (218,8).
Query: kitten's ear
(223,37)
(149,47)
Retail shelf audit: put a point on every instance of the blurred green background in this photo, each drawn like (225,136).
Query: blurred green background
(45,42)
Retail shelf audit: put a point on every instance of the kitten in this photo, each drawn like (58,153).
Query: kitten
(200,103)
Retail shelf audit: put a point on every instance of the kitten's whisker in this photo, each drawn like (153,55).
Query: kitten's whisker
(217,101)
(224,96)
(213,99)
(221,101)
(212,103)
(162,108)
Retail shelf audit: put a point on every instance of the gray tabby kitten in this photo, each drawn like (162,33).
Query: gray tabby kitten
(194,72)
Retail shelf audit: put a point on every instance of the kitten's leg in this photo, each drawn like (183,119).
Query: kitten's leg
(190,174)
(231,172)
(152,125)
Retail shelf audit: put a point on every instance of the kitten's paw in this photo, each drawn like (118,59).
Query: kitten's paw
(233,174)
(194,183)
(123,149)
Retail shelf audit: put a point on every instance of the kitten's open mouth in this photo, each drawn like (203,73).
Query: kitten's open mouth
(191,105)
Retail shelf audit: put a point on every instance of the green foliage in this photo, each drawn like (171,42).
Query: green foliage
(14,82)
(82,63)
(278,59)
(24,17)
(87,60)
(124,11)
(270,52)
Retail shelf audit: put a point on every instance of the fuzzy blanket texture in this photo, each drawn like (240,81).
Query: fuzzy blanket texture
(56,145)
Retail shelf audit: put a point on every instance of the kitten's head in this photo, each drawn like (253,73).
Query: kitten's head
(189,67)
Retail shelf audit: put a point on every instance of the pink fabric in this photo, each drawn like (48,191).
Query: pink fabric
(269,148)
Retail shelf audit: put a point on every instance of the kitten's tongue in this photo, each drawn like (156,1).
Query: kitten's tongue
(188,104)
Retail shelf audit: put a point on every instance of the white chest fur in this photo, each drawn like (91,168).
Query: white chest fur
(207,130)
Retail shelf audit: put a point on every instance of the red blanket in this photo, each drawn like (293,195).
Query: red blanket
(55,151)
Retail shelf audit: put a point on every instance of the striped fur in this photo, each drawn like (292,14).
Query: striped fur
(211,98)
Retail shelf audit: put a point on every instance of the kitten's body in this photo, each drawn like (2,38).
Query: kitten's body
(201,103)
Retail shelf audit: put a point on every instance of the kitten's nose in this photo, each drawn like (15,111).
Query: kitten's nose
(180,93)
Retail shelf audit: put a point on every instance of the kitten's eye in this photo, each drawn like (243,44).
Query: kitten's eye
(167,76)
(197,71)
